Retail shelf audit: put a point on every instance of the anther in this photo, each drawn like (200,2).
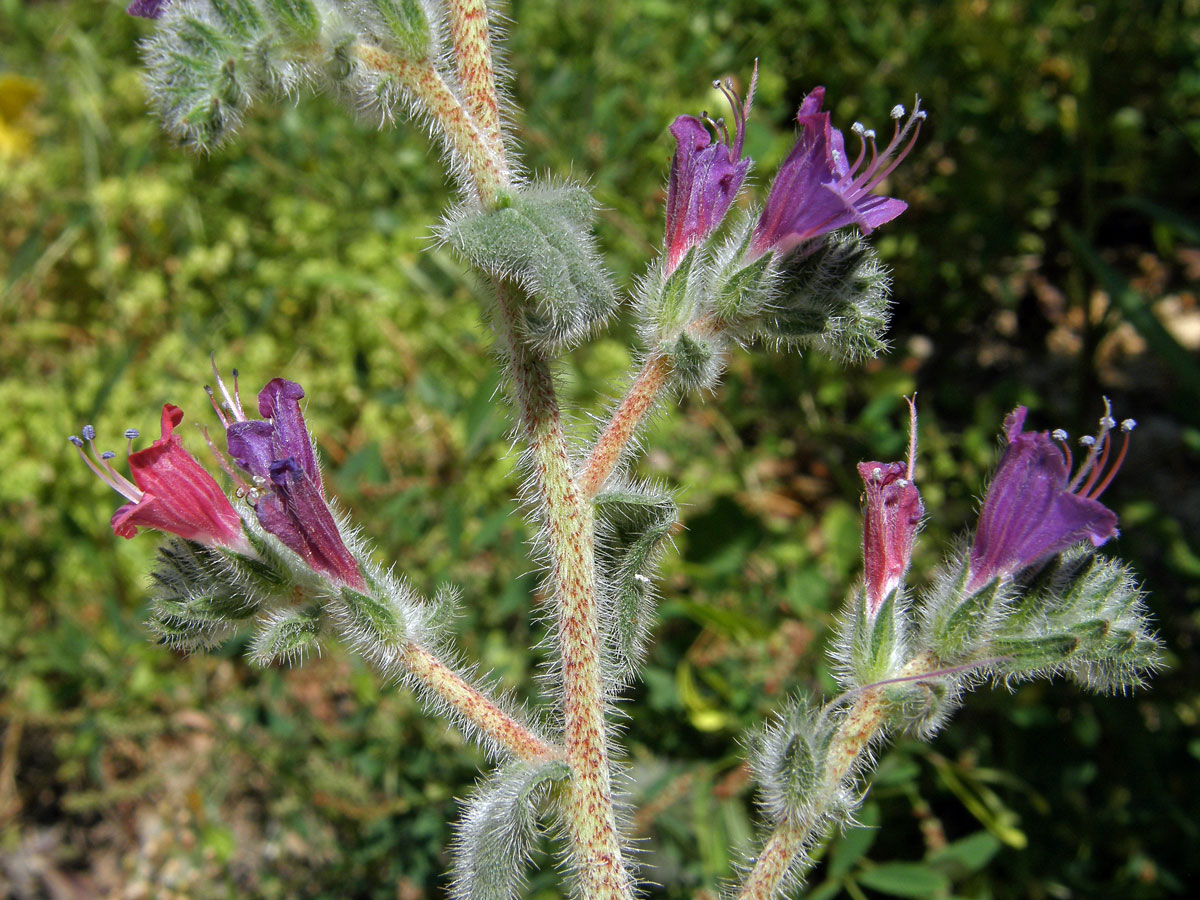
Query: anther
(1087,440)
(1108,423)
(858,128)
(132,433)
(1127,425)
(74,439)
(89,433)
(107,454)
(1059,434)
(869,134)
(898,111)
(877,473)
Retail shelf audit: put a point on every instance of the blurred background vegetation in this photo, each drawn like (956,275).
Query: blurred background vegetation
(1051,254)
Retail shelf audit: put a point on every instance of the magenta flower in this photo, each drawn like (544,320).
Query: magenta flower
(170,491)
(1034,508)
(705,176)
(288,496)
(816,191)
(890,522)
(147,9)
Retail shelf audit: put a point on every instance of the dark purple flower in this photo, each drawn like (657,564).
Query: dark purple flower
(1034,508)
(705,176)
(147,9)
(288,496)
(890,522)
(170,491)
(817,191)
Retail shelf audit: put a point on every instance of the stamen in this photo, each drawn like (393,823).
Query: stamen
(1060,435)
(105,472)
(216,406)
(232,402)
(223,462)
(1116,467)
(1098,468)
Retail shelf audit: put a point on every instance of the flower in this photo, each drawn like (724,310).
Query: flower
(147,9)
(170,491)
(288,496)
(890,522)
(1033,508)
(705,176)
(816,192)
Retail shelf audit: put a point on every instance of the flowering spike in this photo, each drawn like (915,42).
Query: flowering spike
(1032,510)
(816,191)
(705,176)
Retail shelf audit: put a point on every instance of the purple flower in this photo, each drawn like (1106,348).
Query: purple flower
(288,496)
(147,9)
(817,191)
(1034,508)
(170,491)
(705,176)
(890,522)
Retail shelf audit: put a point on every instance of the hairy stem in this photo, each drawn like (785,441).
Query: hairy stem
(476,73)
(462,131)
(865,719)
(474,706)
(619,431)
(588,808)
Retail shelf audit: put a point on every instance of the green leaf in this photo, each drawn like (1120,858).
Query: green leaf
(905,880)
(967,855)
(542,238)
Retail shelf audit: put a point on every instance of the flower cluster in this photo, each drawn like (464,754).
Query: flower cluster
(172,492)
(816,191)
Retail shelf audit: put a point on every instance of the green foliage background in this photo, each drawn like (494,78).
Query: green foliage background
(1051,253)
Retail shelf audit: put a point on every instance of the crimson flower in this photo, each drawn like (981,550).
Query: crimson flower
(705,175)
(288,496)
(890,522)
(170,491)
(817,191)
(1034,508)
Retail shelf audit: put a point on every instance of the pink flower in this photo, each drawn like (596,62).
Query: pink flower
(170,491)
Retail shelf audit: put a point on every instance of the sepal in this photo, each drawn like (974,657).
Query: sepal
(1086,621)
(789,757)
(541,237)
(495,837)
(872,648)
(834,299)
(197,598)
(286,636)
(957,622)
(403,24)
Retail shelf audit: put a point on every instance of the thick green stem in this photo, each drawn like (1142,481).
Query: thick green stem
(588,807)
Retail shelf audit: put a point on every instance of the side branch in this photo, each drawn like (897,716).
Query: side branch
(620,430)
(474,706)
(468,142)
